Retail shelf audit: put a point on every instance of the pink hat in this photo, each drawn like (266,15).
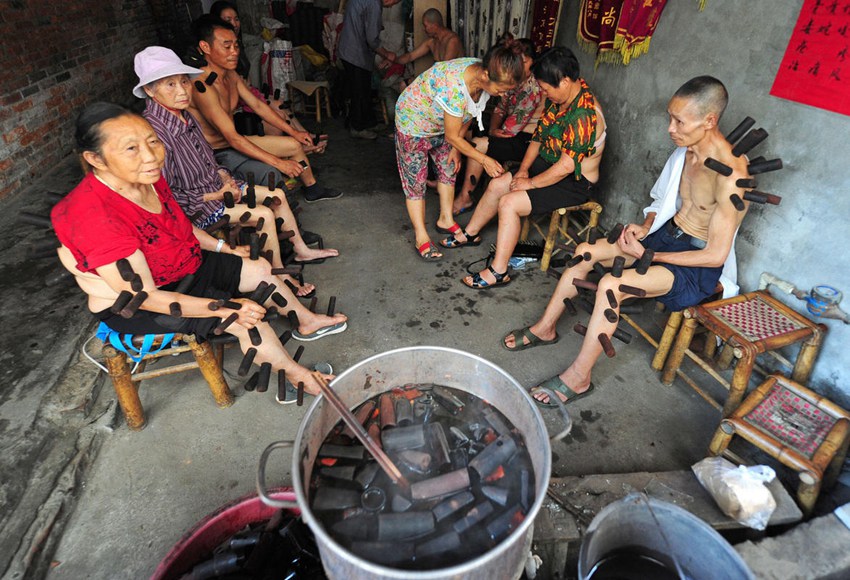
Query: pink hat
(157,62)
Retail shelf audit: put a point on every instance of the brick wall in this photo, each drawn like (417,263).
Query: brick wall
(56,57)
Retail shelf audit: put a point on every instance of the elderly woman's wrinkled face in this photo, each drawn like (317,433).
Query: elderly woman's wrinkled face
(173,92)
(230,16)
(131,153)
(497,89)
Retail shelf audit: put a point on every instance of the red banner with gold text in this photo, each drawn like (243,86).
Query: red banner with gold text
(816,67)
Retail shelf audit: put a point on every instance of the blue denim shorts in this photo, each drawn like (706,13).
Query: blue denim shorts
(691,284)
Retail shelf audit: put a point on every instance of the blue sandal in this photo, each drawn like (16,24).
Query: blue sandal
(479,283)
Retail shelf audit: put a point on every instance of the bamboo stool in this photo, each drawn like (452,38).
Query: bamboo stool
(796,426)
(559,222)
(749,325)
(127,385)
(319,91)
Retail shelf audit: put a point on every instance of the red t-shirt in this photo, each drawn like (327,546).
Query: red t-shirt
(100,227)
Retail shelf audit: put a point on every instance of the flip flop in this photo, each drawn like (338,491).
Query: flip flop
(556,385)
(453,242)
(326,331)
(479,283)
(464,210)
(313,261)
(533,339)
(429,252)
(449,230)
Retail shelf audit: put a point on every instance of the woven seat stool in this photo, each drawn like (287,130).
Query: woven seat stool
(749,325)
(318,90)
(126,384)
(796,426)
(559,223)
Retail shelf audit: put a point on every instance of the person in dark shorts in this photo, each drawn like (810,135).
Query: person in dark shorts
(560,167)
(690,227)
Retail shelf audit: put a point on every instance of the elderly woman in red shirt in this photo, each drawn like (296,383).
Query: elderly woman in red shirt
(124,210)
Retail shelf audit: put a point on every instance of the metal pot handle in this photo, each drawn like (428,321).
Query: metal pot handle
(568,422)
(261,477)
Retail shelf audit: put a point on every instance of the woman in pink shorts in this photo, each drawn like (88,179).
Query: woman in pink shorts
(432,117)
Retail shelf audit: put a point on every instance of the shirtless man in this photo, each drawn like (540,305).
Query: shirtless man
(690,249)
(213,108)
(442,43)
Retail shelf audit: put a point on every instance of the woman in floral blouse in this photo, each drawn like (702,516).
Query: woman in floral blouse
(432,116)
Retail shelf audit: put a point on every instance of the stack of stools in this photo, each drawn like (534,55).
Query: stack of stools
(799,428)
(749,325)
(559,223)
(126,384)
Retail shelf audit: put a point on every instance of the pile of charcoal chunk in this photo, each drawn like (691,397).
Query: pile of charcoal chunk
(471,479)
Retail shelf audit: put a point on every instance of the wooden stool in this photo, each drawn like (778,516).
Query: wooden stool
(559,223)
(749,325)
(665,343)
(799,428)
(127,385)
(319,90)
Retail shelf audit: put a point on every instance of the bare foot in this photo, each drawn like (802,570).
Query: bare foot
(320,321)
(461,204)
(300,374)
(301,290)
(315,254)
(576,382)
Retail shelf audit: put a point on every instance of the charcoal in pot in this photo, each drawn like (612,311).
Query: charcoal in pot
(341,451)
(495,494)
(503,524)
(438,444)
(473,516)
(403,438)
(451,505)
(496,422)
(367,474)
(344,472)
(403,412)
(439,545)
(494,455)
(392,526)
(417,461)
(400,503)
(360,527)
(333,498)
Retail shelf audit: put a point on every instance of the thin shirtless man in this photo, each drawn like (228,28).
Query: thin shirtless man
(214,107)
(690,249)
(442,44)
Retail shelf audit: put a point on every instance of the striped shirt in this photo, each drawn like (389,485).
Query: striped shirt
(190,167)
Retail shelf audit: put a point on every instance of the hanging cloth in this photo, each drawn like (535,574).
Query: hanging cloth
(545,23)
(618,30)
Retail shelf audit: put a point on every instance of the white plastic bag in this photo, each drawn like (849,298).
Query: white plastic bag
(278,66)
(740,492)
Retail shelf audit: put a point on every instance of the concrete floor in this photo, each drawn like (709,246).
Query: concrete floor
(121,499)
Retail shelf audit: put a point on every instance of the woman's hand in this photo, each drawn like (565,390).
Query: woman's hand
(250,315)
(501,133)
(454,160)
(521,184)
(492,167)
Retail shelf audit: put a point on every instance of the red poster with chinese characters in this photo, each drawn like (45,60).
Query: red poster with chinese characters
(816,67)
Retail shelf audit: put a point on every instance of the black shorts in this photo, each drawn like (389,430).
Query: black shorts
(512,149)
(569,191)
(217,278)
